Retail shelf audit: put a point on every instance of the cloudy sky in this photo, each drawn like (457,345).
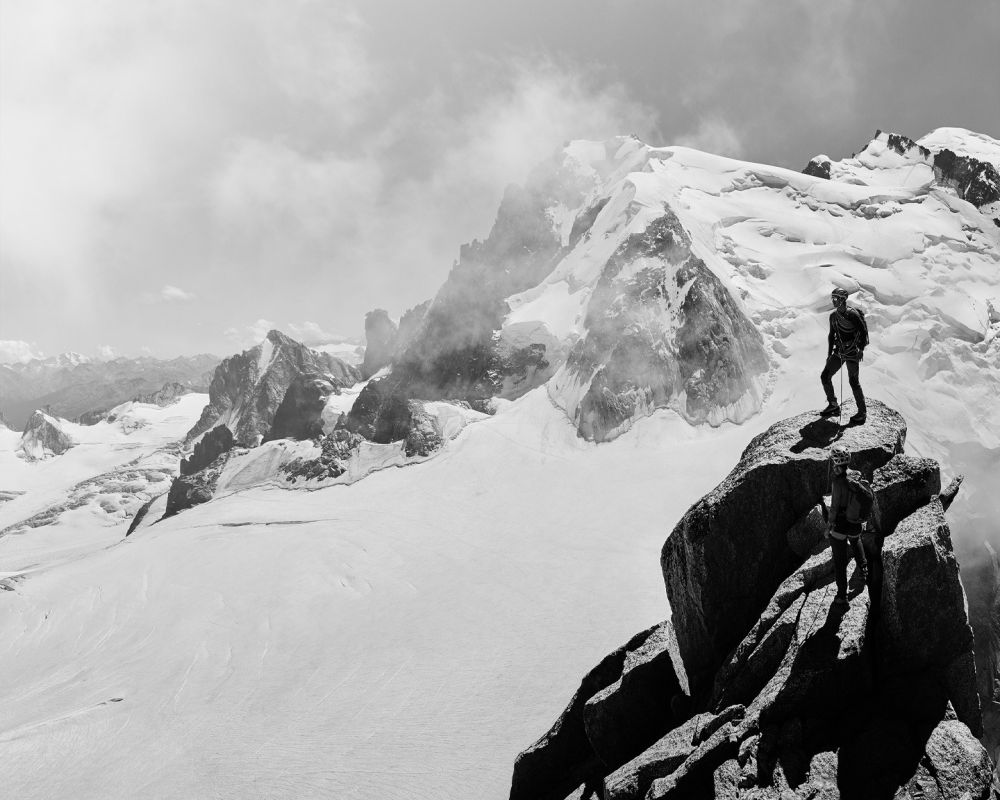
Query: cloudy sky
(180,175)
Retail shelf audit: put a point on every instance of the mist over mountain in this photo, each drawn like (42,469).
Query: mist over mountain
(70,385)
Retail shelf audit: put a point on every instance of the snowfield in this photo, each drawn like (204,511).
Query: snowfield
(405,636)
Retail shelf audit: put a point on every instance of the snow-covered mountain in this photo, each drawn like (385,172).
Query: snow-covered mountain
(71,385)
(635,318)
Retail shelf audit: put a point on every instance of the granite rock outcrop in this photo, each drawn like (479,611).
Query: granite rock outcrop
(769,691)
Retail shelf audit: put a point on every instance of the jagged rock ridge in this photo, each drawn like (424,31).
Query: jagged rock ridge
(247,388)
(768,691)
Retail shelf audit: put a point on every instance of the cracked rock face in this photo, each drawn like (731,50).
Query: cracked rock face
(247,388)
(877,700)
(730,551)
(300,415)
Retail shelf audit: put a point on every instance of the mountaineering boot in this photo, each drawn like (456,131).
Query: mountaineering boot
(840,601)
(858,419)
(832,410)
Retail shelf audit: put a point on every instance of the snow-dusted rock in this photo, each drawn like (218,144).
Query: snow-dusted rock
(44,436)
(247,388)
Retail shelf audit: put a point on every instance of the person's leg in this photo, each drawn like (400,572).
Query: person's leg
(826,378)
(839,549)
(858,550)
(855,380)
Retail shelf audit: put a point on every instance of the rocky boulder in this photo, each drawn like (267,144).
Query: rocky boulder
(44,436)
(729,553)
(622,705)
(247,388)
(925,635)
(818,167)
(300,415)
(380,342)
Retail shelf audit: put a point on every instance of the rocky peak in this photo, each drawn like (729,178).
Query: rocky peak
(757,686)
(247,388)
(380,342)
(44,436)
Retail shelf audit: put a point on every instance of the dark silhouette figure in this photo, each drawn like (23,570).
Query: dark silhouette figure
(846,344)
(844,531)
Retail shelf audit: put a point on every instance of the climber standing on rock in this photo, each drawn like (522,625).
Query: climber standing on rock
(846,344)
(851,501)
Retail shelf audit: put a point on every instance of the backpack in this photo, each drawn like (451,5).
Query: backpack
(863,333)
(861,501)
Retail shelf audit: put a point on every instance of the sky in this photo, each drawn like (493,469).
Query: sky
(178,176)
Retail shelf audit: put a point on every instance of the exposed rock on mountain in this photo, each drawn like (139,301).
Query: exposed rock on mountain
(409,326)
(982,579)
(43,437)
(789,696)
(247,388)
(661,330)
(818,167)
(165,395)
(196,487)
(300,415)
(453,354)
(380,342)
(212,445)
(72,385)
(781,475)
(382,416)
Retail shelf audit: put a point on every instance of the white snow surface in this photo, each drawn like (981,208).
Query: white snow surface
(131,441)
(405,636)
(408,634)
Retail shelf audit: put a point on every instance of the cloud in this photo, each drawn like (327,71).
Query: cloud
(713,135)
(250,335)
(16,351)
(170,293)
(106,352)
(382,222)
(309,333)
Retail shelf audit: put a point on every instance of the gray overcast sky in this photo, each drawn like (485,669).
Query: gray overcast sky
(179,174)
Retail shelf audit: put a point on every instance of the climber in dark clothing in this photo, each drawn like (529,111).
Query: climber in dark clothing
(846,344)
(842,531)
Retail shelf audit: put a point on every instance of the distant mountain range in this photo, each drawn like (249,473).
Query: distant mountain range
(70,385)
